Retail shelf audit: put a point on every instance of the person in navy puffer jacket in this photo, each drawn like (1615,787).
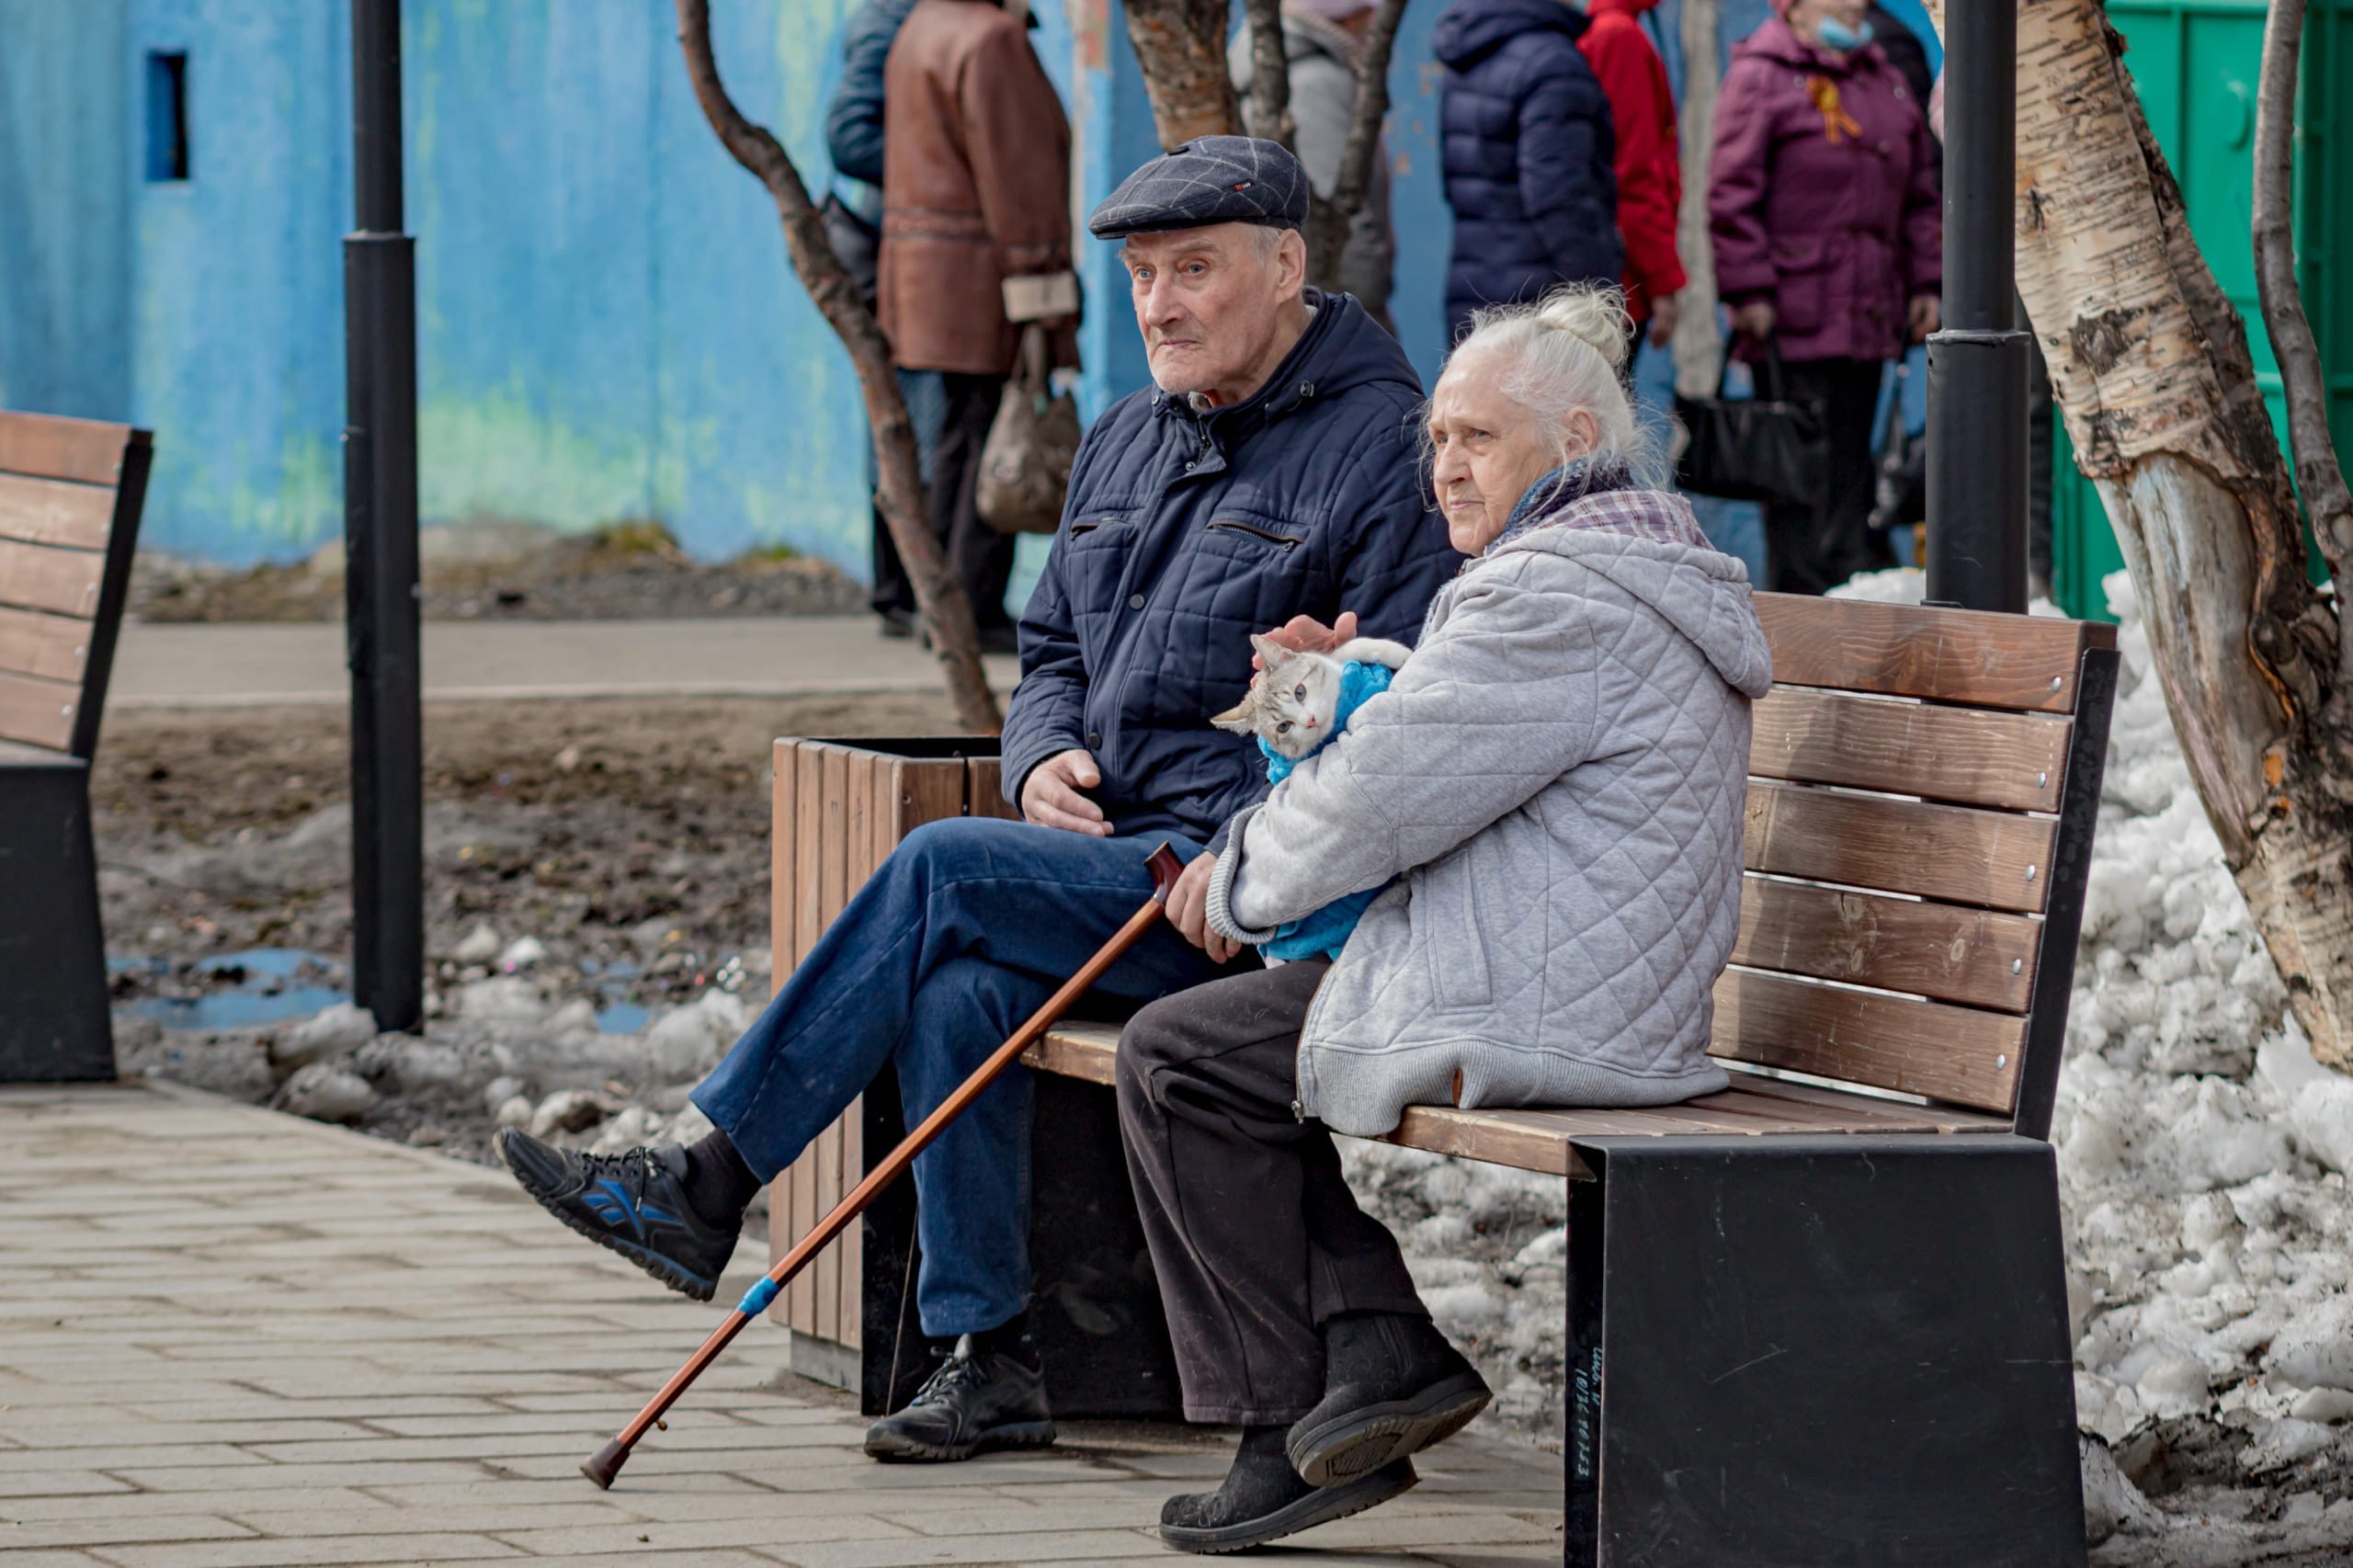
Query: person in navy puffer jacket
(1528,151)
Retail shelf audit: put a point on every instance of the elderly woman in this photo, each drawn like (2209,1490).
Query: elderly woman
(1550,791)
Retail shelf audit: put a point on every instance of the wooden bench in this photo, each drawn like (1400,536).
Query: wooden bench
(1820,1317)
(70,497)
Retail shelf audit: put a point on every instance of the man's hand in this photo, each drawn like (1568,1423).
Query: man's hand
(1305,635)
(1188,910)
(1754,318)
(1665,312)
(1050,798)
(1925,316)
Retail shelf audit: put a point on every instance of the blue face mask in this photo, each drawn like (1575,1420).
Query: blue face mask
(1836,34)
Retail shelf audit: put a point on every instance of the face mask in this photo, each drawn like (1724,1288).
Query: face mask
(1836,34)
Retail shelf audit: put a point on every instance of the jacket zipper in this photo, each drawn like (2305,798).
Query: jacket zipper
(1287,540)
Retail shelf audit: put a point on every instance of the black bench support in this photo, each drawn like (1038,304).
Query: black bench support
(53,1023)
(1841,1351)
(1095,1301)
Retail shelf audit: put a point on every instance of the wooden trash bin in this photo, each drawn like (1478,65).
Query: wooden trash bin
(848,803)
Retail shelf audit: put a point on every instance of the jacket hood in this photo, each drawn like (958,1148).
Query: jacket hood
(1775,39)
(1703,594)
(1343,348)
(1304,34)
(1470,30)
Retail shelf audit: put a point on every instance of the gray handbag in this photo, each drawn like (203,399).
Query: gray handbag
(1025,462)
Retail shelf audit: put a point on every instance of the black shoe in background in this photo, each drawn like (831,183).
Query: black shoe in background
(896,623)
(636,1203)
(1392,1386)
(1264,1499)
(980,1399)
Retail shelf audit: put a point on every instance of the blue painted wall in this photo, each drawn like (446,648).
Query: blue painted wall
(608,324)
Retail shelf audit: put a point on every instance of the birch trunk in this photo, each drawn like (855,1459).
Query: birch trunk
(955,637)
(2150,367)
(1699,341)
(1181,44)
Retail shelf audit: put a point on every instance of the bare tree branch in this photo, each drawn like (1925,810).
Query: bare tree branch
(2317,474)
(1332,217)
(1180,45)
(954,636)
(1268,104)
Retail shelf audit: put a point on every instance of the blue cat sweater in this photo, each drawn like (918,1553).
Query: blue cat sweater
(1326,932)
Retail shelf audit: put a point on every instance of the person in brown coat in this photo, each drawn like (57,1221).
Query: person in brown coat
(975,189)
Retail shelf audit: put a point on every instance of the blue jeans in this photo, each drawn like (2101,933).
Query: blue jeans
(965,931)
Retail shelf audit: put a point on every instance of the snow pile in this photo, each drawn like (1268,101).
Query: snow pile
(2202,1157)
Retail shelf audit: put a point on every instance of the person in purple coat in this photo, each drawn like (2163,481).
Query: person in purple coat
(1823,209)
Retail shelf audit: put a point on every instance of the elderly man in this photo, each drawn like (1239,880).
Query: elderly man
(1270,476)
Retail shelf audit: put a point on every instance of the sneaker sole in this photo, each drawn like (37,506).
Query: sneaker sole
(694,1286)
(893,1448)
(1349,1445)
(1315,1508)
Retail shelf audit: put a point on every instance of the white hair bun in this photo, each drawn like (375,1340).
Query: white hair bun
(1594,317)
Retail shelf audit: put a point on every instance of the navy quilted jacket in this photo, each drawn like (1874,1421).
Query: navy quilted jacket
(1184,533)
(1528,152)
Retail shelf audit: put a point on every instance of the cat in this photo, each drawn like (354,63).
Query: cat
(1294,706)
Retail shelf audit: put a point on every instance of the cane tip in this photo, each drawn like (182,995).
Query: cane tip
(605,1464)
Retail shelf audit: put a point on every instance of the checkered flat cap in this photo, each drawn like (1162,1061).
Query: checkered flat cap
(1210,179)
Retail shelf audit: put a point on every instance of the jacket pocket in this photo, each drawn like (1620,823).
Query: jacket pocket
(1283,540)
(1452,938)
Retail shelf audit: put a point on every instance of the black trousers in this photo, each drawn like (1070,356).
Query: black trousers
(1254,1234)
(1808,551)
(981,558)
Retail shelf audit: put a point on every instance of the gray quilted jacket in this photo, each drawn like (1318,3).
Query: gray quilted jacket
(1556,780)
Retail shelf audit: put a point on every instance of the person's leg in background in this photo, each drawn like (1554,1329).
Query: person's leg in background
(1825,548)
(981,557)
(894,598)
(1289,1309)
(2037,467)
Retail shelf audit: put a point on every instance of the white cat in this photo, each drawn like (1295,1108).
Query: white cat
(1293,704)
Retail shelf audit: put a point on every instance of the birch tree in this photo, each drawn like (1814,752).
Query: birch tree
(955,637)
(2151,370)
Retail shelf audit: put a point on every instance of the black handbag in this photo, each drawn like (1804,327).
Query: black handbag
(1763,449)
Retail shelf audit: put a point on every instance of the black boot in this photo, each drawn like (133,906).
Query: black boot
(1393,1387)
(1264,1499)
(989,1392)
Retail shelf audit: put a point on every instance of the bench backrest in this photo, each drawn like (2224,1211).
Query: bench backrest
(69,494)
(1923,788)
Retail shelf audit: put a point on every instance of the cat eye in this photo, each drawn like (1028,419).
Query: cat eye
(1284,728)
(1299,694)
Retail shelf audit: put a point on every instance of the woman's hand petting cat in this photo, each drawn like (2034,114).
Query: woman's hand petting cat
(1305,635)
(1050,798)
(1188,910)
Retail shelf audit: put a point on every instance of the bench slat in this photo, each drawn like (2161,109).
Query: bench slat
(1975,957)
(1968,756)
(1978,657)
(63,582)
(1959,1054)
(49,447)
(1539,1140)
(1953,854)
(54,511)
(52,647)
(39,712)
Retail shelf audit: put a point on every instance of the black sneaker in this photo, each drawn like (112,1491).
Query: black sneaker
(978,1400)
(1264,1499)
(634,1203)
(1393,1387)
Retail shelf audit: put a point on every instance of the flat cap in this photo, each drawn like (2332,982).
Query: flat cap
(1210,179)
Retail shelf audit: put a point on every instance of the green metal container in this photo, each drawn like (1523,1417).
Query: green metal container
(2195,65)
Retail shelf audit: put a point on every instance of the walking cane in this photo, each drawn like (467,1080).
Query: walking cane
(607,1461)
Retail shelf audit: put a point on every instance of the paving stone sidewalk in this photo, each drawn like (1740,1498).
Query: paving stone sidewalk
(232,1338)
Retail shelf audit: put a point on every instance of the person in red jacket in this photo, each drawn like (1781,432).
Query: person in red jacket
(1650,169)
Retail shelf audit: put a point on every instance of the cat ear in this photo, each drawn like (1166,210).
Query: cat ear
(1271,654)
(1238,718)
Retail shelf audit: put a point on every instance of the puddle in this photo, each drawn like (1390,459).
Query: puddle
(264,986)
(623,1017)
(616,1014)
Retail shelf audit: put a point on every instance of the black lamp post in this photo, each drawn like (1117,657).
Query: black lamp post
(380,537)
(1977,365)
